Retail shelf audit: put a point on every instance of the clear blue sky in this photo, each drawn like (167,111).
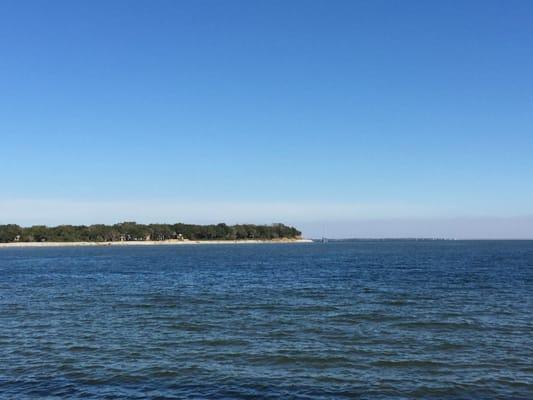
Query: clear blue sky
(306,111)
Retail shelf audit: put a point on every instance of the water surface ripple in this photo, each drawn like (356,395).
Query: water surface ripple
(363,319)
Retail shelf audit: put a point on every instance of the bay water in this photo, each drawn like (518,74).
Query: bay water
(369,319)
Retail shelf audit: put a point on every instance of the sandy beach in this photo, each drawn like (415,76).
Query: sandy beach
(149,243)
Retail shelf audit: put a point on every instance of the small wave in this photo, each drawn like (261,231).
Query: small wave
(76,349)
(305,360)
(448,346)
(438,325)
(221,342)
(367,317)
(408,364)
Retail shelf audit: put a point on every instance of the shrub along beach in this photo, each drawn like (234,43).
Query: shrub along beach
(131,233)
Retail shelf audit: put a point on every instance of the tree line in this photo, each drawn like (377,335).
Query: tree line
(131,231)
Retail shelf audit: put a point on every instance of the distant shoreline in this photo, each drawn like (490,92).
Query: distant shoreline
(149,243)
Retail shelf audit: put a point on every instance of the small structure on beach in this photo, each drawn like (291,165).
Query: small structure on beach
(177,236)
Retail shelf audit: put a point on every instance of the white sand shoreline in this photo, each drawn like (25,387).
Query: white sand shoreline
(148,243)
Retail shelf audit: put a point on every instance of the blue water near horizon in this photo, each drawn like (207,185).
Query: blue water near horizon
(372,319)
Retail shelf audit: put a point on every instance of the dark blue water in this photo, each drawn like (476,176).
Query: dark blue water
(364,319)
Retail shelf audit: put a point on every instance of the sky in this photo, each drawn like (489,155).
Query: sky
(344,118)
